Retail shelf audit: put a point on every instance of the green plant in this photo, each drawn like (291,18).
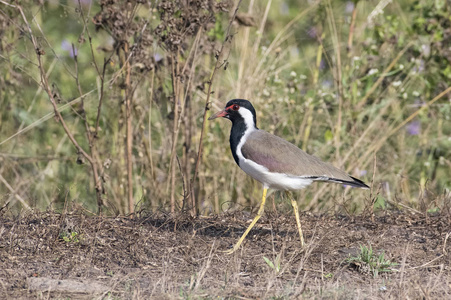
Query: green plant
(273,265)
(367,261)
(70,237)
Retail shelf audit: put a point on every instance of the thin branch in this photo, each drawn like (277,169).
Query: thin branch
(6,3)
(11,189)
(100,74)
(218,65)
(46,117)
(91,138)
(129,128)
(45,85)
(175,88)
(352,26)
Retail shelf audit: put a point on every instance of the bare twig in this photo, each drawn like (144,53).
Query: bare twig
(45,118)
(337,77)
(204,267)
(187,113)
(94,166)
(218,65)
(100,74)
(149,135)
(402,270)
(427,264)
(45,85)
(125,63)
(309,114)
(99,107)
(6,3)
(261,28)
(175,127)
(445,241)
(179,104)
(352,26)
(85,29)
(16,195)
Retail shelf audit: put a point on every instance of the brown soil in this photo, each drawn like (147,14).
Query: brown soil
(162,256)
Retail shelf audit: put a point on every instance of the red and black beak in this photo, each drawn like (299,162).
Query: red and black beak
(221,113)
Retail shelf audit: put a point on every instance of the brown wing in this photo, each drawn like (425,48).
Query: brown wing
(281,156)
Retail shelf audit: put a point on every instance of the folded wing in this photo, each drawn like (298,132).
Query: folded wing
(280,156)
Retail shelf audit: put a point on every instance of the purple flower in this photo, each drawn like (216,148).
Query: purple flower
(327,84)
(414,128)
(419,66)
(284,9)
(312,32)
(349,7)
(67,46)
(157,57)
(418,103)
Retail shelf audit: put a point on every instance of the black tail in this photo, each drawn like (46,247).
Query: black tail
(355,183)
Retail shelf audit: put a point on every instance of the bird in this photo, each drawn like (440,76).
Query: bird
(273,161)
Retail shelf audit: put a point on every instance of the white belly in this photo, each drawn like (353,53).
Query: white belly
(277,181)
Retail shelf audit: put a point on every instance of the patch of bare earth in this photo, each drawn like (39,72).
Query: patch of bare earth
(155,255)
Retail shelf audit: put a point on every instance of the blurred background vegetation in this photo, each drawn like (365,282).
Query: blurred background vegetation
(361,84)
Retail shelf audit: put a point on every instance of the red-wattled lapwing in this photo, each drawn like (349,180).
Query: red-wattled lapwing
(276,163)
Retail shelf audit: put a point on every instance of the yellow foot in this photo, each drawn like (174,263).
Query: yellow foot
(259,214)
(230,251)
(298,220)
(238,244)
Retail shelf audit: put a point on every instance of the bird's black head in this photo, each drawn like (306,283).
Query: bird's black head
(238,110)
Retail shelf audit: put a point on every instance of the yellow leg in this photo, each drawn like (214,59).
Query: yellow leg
(298,221)
(259,214)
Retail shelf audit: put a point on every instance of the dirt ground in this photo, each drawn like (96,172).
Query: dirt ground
(161,256)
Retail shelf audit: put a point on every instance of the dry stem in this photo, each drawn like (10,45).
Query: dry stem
(218,65)
(45,85)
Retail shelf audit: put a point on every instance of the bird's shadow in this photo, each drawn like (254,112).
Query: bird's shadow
(223,225)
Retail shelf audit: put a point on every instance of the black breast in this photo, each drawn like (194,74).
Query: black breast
(237,132)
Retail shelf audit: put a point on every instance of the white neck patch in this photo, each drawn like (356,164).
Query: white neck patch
(250,127)
(248,118)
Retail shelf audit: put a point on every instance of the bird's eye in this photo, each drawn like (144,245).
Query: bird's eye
(235,107)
